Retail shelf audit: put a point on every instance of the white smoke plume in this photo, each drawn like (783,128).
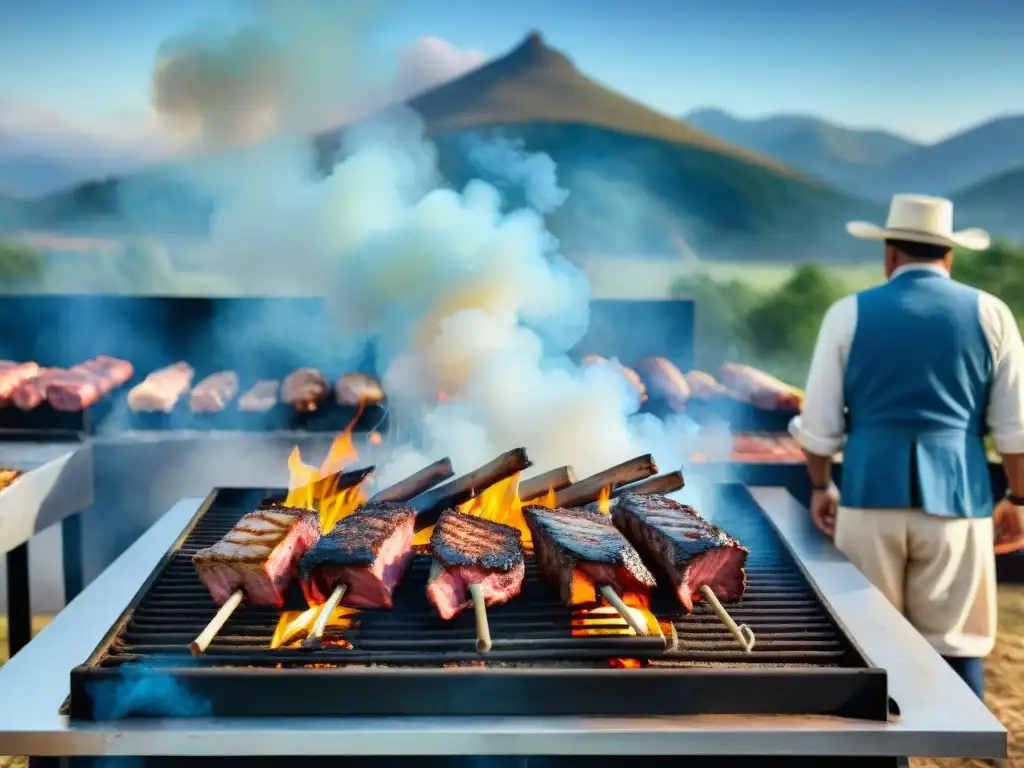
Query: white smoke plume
(462,296)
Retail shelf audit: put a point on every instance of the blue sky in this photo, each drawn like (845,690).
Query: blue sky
(920,67)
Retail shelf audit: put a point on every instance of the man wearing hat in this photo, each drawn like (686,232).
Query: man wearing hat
(906,379)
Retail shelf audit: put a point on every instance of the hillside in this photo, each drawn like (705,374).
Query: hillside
(639,181)
(994,204)
(847,158)
(639,176)
(961,161)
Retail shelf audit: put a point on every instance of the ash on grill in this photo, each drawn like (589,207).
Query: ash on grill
(545,657)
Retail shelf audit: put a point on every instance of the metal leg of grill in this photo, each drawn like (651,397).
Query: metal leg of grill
(19,601)
(71,551)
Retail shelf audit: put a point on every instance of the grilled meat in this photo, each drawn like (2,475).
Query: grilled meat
(261,398)
(578,550)
(161,390)
(470,550)
(354,389)
(84,384)
(212,394)
(665,383)
(761,389)
(369,551)
(632,378)
(303,389)
(684,549)
(704,386)
(259,555)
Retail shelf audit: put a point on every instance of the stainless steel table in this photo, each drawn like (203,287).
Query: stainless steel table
(57,484)
(940,716)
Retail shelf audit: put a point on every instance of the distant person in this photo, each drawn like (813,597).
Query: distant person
(912,373)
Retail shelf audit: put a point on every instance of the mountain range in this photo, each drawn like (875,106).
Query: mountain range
(981,168)
(641,182)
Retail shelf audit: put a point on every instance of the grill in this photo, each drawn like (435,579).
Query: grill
(409,662)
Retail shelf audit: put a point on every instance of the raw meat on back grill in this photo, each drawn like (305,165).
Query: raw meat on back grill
(212,394)
(160,391)
(259,555)
(368,551)
(31,392)
(579,550)
(303,389)
(261,397)
(470,550)
(12,374)
(354,389)
(683,547)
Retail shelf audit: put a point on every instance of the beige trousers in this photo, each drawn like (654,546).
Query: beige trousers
(939,572)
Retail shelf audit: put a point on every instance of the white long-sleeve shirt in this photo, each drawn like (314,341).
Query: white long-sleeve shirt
(820,427)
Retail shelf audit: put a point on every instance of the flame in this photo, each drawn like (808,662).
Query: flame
(293,626)
(312,488)
(500,503)
(604,621)
(604,500)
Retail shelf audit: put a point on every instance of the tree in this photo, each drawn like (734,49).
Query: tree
(785,324)
(998,270)
(721,309)
(21,267)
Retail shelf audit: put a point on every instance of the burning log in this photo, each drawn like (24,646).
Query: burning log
(667,483)
(552,480)
(432,503)
(744,635)
(589,489)
(417,483)
(314,490)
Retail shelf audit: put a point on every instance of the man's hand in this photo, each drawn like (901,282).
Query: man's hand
(1009,525)
(824,506)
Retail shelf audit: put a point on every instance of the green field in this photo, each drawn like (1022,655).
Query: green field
(637,278)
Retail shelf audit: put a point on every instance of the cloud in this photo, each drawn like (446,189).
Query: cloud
(431,61)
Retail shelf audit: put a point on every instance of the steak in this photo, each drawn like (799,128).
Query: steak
(31,392)
(260,555)
(578,550)
(369,551)
(470,550)
(86,383)
(161,390)
(684,549)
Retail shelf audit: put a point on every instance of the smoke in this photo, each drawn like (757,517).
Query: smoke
(144,689)
(287,70)
(463,292)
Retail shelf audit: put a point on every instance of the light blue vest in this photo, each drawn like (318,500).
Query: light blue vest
(916,389)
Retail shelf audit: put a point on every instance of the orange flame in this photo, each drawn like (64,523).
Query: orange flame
(500,503)
(293,626)
(312,488)
(604,500)
(604,621)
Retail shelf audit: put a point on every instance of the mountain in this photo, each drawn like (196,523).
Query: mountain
(848,158)
(994,204)
(636,177)
(961,161)
(27,175)
(639,181)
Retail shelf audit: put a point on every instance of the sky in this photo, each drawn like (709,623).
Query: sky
(922,68)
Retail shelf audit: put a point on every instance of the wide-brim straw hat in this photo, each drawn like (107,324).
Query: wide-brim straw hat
(921,219)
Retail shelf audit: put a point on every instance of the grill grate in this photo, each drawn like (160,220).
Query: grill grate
(798,642)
